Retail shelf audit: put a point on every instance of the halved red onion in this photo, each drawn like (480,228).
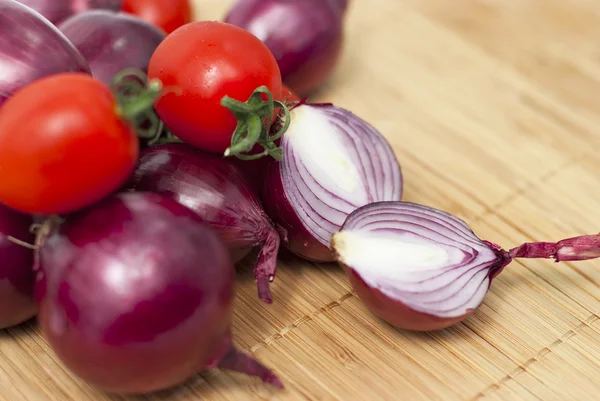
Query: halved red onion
(333,163)
(420,268)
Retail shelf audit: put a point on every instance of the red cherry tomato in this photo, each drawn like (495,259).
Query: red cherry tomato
(166,14)
(63,145)
(207,61)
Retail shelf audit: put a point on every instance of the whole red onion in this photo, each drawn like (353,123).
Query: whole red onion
(58,10)
(218,191)
(16,268)
(112,42)
(419,268)
(305,36)
(333,163)
(342,5)
(31,48)
(136,295)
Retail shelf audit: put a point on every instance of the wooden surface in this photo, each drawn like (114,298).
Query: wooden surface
(493,109)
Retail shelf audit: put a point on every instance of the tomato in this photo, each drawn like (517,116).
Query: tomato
(62,145)
(207,61)
(166,14)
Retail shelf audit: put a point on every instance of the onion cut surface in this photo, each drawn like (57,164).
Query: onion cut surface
(333,163)
(427,259)
(420,268)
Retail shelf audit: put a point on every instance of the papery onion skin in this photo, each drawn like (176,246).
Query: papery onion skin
(295,237)
(112,42)
(346,130)
(341,5)
(136,295)
(16,269)
(217,190)
(437,296)
(57,11)
(32,48)
(305,36)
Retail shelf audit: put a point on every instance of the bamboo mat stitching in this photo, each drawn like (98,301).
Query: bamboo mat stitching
(537,357)
(555,108)
(300,321)
(488,211)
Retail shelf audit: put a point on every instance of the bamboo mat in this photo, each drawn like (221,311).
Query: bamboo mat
(492,107)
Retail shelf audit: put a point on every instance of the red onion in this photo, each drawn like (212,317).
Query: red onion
(16,268)
(333,163)
(136,294)
(305,36)
(217,190)
(58,10)
(112,42)
(341,5)
(31,48)
(420,268)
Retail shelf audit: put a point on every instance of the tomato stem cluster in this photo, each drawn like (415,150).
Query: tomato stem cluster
(254,124)
(136,97)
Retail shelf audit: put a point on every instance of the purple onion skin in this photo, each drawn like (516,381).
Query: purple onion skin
(410,298)
(57,11)
(199,180)
(296,237)
(136,293)
(112,42)
(305,36)
(386,186)
(395,312)
(32,48)
(340,5)
(16,269)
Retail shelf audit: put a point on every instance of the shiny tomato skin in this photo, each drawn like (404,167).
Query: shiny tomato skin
(206,61)
(165,14)
(62,145)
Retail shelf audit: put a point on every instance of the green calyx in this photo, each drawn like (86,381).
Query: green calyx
(136,96)
(254,118)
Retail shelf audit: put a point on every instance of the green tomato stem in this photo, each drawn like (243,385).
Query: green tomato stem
(254,117)
(136,96)
(131,109)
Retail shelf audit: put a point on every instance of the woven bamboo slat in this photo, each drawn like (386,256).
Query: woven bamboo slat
(492,107)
